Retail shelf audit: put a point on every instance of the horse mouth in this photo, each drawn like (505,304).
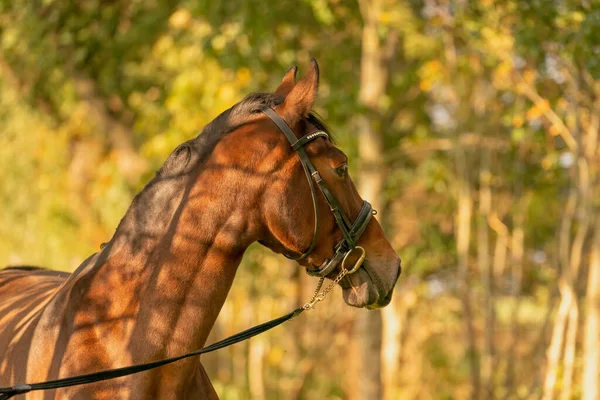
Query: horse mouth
(365,289)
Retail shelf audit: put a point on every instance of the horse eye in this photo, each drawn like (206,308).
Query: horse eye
(342,171)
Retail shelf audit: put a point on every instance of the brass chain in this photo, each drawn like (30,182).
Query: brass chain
(315,294)
(317,297)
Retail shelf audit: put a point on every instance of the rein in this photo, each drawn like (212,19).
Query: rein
(7,393)
(351,233)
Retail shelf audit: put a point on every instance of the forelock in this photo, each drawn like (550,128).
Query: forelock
(255,102)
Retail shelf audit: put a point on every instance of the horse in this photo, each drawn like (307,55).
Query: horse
(156,288)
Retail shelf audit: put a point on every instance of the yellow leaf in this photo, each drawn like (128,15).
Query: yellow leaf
(518,121)
(547,162)
(180,19)
(529,76)
(425,85)
(578,16)
(218,42)
(385,17)
(544,106)
(538,109)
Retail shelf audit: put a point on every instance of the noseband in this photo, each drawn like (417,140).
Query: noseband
(351,232)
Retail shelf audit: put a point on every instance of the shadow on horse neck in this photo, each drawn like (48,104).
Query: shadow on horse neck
(174,255)
(155,289)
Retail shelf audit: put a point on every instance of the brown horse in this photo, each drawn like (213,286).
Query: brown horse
(155,290)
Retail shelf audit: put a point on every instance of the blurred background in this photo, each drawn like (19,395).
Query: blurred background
(472,126)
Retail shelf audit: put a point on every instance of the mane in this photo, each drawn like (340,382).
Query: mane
(152,208)
(226,122)
(155,202)
(232,118)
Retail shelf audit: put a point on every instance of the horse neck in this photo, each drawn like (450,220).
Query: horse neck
(171,263)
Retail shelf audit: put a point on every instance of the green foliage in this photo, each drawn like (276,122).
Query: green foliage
(475,82)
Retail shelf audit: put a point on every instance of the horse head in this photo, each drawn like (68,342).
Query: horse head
(290,206)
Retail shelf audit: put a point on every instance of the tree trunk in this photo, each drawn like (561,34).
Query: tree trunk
(391,344)
(591,340)
(558,332)
(368,326)
(517,251)
(463,237)
(483,259)
(591,344)
(554,350)
(256,355)
(367,378)
(570,348)
(500,249)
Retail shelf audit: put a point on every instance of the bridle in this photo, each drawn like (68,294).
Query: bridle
(351,231)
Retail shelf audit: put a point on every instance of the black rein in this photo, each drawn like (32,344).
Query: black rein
(8,392)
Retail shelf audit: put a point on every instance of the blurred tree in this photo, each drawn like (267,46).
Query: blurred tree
(474,133)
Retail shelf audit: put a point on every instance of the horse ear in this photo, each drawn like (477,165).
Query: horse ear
(298,103)
(287,83)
